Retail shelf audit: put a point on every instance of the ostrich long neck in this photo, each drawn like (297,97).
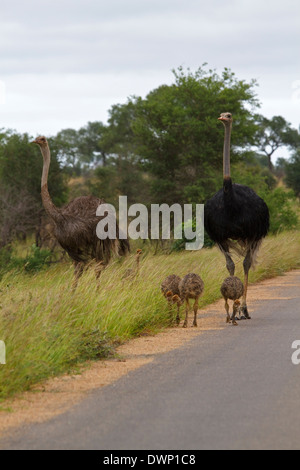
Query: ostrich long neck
(226,153)
(50,208)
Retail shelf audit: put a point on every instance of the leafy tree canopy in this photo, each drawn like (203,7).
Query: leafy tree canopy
(292,170)
(273,134)
(178,136)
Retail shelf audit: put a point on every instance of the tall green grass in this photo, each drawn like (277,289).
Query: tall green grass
(49,329)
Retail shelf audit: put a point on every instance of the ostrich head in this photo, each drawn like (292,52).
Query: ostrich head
(177,300)
(226,118)
(41,142)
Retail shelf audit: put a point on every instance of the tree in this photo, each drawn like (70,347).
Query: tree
(21,168)
(118,138)
(20,180)
(82,149)
(179,139)
(273,134)
(292,170)
(65,146)
(19,214)
(122,173)
(90,147)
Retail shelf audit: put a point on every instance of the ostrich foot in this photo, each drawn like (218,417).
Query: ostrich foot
(245,314)
(184,325)
(195,324)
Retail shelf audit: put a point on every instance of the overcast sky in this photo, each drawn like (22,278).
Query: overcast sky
(66,62)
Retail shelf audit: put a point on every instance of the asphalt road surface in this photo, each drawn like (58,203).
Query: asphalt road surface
(235,388)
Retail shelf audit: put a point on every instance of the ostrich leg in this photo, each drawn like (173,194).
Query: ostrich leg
(247,265)
(196,306)
(78,271)
(230,264)
(170,309)
(185,324)
(178,314)
(228,320)
(236,306)
(100,266)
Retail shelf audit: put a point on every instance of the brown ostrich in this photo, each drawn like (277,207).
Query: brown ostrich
(232,289)
(75,225)
(191,287)
(170,290)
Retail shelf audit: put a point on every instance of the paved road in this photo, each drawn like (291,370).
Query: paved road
(230,389)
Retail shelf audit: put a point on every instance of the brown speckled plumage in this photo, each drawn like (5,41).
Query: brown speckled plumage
(191,287)
(171,283)
(232,289)
(75,225)
(170,290)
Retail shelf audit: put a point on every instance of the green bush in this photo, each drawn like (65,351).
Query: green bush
(292,170)
(35,261)
(179,245)
(283,216)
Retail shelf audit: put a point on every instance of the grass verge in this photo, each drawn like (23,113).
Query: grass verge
(49,330)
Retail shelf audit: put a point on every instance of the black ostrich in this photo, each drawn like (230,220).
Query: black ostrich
(236,218)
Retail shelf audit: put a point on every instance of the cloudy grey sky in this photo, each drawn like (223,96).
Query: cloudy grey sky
(66,62)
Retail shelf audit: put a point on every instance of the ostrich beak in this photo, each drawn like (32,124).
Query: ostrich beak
(224,120)
(34,142)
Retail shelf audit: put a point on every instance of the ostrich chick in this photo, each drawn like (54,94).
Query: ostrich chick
(191,287)
(233,289)
(131,273)
(170,290)
(177,300)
